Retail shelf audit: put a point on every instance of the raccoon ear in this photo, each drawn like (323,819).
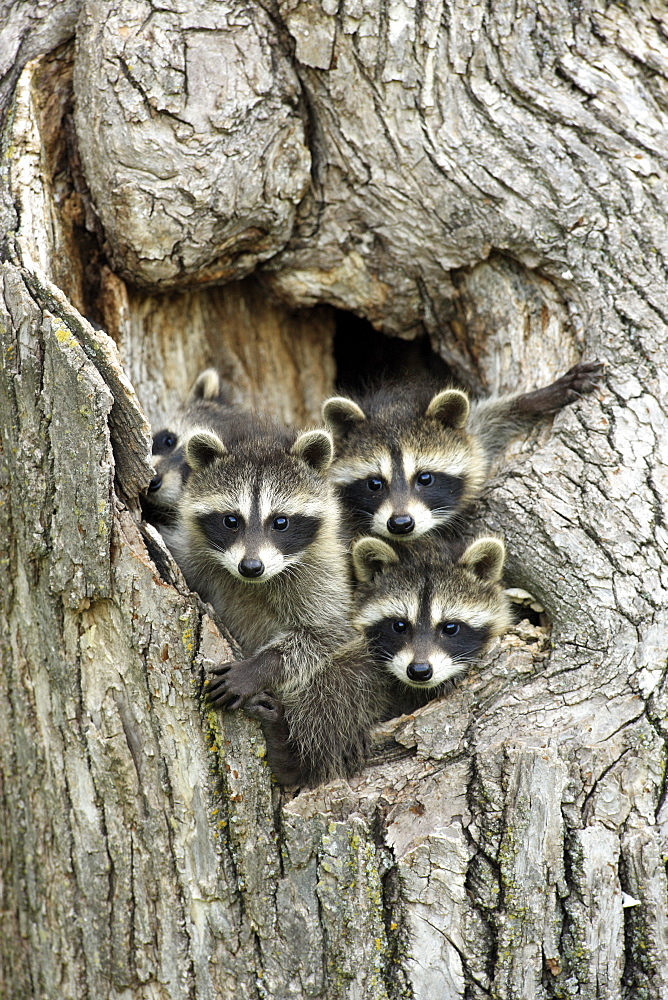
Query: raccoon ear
(450,407)
(341,415)
(370,557)
(485,558)
(203,448)
(316,448)
(205,386)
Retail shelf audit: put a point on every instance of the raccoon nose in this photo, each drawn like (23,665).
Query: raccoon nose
(401,524)
(155,484)
(251,567)
(419,671)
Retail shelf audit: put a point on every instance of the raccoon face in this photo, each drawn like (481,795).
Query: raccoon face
(255,538)
(255,513)
(402,493)
(168,460)
(403,481)
(426,619)
(423,653)
(169,468)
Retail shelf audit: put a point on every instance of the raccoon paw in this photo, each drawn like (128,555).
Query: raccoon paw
(230,686)
(581,379)
(282,756)
(265,707)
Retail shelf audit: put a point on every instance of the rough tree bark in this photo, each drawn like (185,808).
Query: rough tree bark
(205,181)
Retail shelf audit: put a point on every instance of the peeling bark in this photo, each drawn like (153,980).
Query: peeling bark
(493,179)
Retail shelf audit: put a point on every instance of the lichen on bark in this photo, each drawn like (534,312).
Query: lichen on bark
(493,180)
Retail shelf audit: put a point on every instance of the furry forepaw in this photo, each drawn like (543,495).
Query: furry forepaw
(581,379)
(282,755)
(231,685)
(265,707)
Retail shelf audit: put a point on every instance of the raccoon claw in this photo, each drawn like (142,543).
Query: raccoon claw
(222,669)
(230,706)
(230,686)
(582,378)
(265,707)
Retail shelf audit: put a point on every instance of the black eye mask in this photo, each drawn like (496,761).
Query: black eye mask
(360,500)
(164,442)
(465,643)
(444,492)
(300,532)
(218,529)
(385,641)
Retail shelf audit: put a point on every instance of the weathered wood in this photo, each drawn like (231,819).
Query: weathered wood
(214,88)
(270,357)
(27,30)
(493,178)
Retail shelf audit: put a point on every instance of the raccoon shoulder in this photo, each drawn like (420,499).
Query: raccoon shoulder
(330,720)
(324,730)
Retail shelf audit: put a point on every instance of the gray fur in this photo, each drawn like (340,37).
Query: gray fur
(294,626)
(404,585)
(206,408)
(498,419)
(400,431)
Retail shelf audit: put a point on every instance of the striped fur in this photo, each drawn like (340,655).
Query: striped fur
(426,610)
(410,461)
(305,673)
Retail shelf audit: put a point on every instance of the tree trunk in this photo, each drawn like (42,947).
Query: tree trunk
(209,183)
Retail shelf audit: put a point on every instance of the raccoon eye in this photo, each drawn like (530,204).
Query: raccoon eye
(375,484)
(450,628)
(425,479)
(399,626)
(164,440)
(231,522)
(281,523)
(167,440)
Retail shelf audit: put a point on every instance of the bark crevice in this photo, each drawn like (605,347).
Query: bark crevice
(437,173)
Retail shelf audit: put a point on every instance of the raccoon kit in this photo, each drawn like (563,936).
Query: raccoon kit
(410,461)
(426,611)
(206,408)
(258,537)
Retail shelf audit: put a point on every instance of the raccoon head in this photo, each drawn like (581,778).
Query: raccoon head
(403,470)
(167,457)
(426,615)
(257,511)
(164,490)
